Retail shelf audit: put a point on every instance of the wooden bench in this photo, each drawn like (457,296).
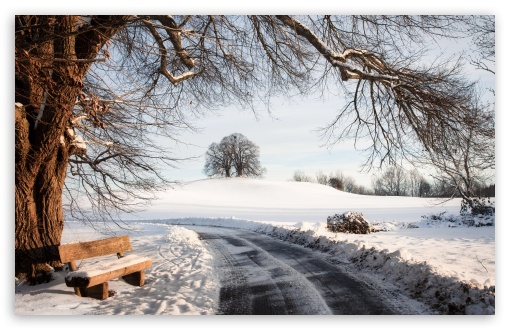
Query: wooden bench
(92,281)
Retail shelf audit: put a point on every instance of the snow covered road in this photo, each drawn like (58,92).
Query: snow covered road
(258,268)
(263,275)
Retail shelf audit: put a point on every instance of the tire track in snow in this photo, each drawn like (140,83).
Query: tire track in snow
(233,281)
(253,282)
(263,275)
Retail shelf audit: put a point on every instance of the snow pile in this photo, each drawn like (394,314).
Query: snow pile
(181,280)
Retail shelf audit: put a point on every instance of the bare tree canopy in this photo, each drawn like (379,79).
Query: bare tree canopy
(234,155)
(483,30)
(93,93)
(393,182)
(466,158)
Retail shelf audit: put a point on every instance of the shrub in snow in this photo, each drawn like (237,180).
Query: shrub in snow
(462,220)
(348,222)
(478,206)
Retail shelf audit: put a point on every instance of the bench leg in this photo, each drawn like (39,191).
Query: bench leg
(99,291)
(137,279)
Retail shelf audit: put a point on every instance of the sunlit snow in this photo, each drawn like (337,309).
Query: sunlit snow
(423,257)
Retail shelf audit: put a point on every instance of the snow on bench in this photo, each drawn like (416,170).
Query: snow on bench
(92,280)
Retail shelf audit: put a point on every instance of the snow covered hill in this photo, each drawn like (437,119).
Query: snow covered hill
(265,200)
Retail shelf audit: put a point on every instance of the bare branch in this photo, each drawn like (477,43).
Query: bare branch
(163,55)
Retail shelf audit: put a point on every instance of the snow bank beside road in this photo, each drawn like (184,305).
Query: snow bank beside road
(429,284)
(459,290)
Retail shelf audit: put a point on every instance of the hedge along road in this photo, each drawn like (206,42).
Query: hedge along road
(262,275)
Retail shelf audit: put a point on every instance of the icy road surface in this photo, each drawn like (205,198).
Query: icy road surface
(263,275)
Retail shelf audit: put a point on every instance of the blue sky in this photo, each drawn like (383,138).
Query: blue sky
(286,139)
(287,136)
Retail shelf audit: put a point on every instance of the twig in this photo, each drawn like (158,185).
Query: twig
(481,263)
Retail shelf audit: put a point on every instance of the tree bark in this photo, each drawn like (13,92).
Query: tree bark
(48,81)
(38,208)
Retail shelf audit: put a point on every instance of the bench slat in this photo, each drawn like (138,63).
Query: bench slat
(104,272)
(85,250)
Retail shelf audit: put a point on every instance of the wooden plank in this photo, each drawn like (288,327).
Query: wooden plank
(72,265)
(81,281)
(99,291)
(85,250)
(136,279)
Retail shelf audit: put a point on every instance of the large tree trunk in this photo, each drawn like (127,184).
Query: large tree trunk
(51,62)
(38,207)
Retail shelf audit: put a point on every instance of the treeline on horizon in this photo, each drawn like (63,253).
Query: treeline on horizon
(395,181)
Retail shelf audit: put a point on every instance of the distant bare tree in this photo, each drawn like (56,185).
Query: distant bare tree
(414,182)
(234,155)
(346,183)
(336,180)
(349,184)
(321,178)
(361,190)
(424,188)
(392,182)
(218,161)
(444,189)
(246,156)
(300,176)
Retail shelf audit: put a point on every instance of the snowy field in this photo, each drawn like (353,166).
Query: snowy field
(280,201)
(444,261)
